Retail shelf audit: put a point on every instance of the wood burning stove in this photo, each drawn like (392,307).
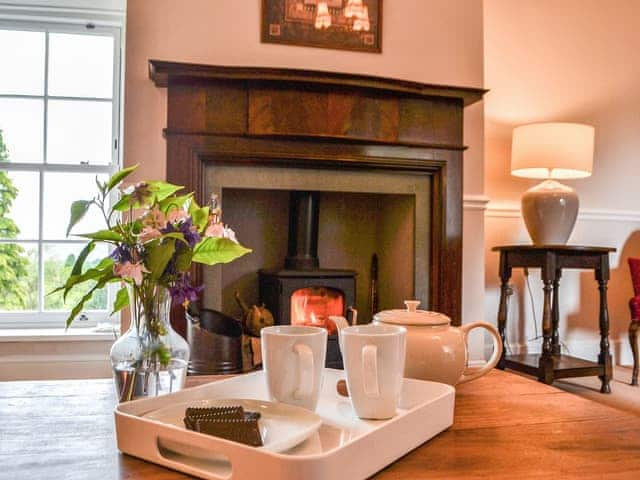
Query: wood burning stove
(303,293)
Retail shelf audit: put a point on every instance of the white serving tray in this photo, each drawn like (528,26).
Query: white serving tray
(344,446)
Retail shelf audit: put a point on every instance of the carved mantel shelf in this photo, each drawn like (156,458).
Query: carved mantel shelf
(304,118)
(162,73)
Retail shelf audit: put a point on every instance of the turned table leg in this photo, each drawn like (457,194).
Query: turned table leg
(546,359)
(604,358)
(545,366)
(633,340)
(503,309)
(555,340)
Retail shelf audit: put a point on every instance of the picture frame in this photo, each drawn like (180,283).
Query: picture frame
(354,25)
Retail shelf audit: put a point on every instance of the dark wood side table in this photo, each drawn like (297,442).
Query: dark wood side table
(551,259)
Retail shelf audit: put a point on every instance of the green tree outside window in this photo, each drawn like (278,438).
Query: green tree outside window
(17,280)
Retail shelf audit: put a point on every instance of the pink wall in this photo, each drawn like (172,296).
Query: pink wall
(575,61)
(434,41)
(569,60)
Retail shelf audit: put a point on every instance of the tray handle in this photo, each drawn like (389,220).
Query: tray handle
(230,456)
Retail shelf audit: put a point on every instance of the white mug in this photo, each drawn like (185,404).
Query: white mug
(373,357)
(293,361)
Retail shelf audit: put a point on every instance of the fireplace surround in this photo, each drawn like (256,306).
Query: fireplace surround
(300,119)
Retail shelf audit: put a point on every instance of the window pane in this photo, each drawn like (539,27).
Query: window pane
(60,191)
(58,262)
(19,194)
(22,125)
(22,55)
(79,132)
(80,65)
(19,276)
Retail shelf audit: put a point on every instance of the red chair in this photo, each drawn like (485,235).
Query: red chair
(634,305)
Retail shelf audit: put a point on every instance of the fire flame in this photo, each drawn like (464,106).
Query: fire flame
(312,307)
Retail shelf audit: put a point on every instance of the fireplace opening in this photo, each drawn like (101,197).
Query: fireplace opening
(361,215)
(312,306)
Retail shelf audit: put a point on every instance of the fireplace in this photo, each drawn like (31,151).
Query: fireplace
(302,293)
(266,123)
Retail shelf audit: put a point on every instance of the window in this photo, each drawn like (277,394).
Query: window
(59,124)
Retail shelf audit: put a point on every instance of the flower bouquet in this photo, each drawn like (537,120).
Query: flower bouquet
(155,235)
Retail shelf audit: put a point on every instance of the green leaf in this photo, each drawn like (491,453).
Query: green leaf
(78,210)
(122,205)
(176,235)
(193,205)
(200,218)
(159,191)
(105,235)
(214,250)
(73,280)
(77,267)
(80,305)
(105,263)
(162,190)
(103,269)
(101,186)
(178,202)
(158,257)
(163,354)
(183,260)
(119,176)
(121,301)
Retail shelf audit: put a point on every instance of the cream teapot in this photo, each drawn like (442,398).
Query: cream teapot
(435,351)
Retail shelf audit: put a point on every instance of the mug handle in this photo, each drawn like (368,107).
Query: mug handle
(305,369)
(370,371)
(495,357)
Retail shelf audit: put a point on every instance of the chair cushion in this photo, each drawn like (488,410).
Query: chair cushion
(634,266)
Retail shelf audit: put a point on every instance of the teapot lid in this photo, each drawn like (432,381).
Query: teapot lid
(412,316)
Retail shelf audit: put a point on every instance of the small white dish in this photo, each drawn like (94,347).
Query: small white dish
(282,426)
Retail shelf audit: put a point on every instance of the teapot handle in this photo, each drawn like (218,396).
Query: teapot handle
(495,357)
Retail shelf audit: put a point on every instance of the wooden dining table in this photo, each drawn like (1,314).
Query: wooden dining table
(505,426)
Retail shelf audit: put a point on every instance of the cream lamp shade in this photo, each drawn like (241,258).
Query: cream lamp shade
(552,150)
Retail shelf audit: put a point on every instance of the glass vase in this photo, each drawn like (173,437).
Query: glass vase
(151,358)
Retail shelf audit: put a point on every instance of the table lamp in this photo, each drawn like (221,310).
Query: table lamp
(551,151)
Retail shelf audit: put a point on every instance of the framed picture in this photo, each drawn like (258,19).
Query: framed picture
(341,24)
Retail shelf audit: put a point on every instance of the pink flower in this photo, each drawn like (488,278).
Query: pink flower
(130,270)
(230,234)
(154,218)
(220,231)
(176,215)
(148,233)
(215,230)
(140,192)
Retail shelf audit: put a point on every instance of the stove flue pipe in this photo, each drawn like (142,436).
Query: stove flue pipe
(304,208)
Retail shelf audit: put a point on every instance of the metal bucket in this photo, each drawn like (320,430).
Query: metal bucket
(216,343)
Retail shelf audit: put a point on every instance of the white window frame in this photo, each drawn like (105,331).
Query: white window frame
(56,319)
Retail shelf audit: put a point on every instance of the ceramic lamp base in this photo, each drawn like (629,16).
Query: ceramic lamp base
(550,210)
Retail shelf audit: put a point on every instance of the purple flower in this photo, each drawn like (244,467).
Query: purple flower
(121,254)
(183,292)
(190,232)
(191,235)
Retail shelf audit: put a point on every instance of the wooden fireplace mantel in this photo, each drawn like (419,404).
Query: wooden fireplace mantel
(161,72)
(303,118)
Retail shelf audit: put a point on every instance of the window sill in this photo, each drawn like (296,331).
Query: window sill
(54,335)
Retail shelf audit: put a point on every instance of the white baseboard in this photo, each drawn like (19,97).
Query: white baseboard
(35,369)
(55,360)
(512,210)
(475,202)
